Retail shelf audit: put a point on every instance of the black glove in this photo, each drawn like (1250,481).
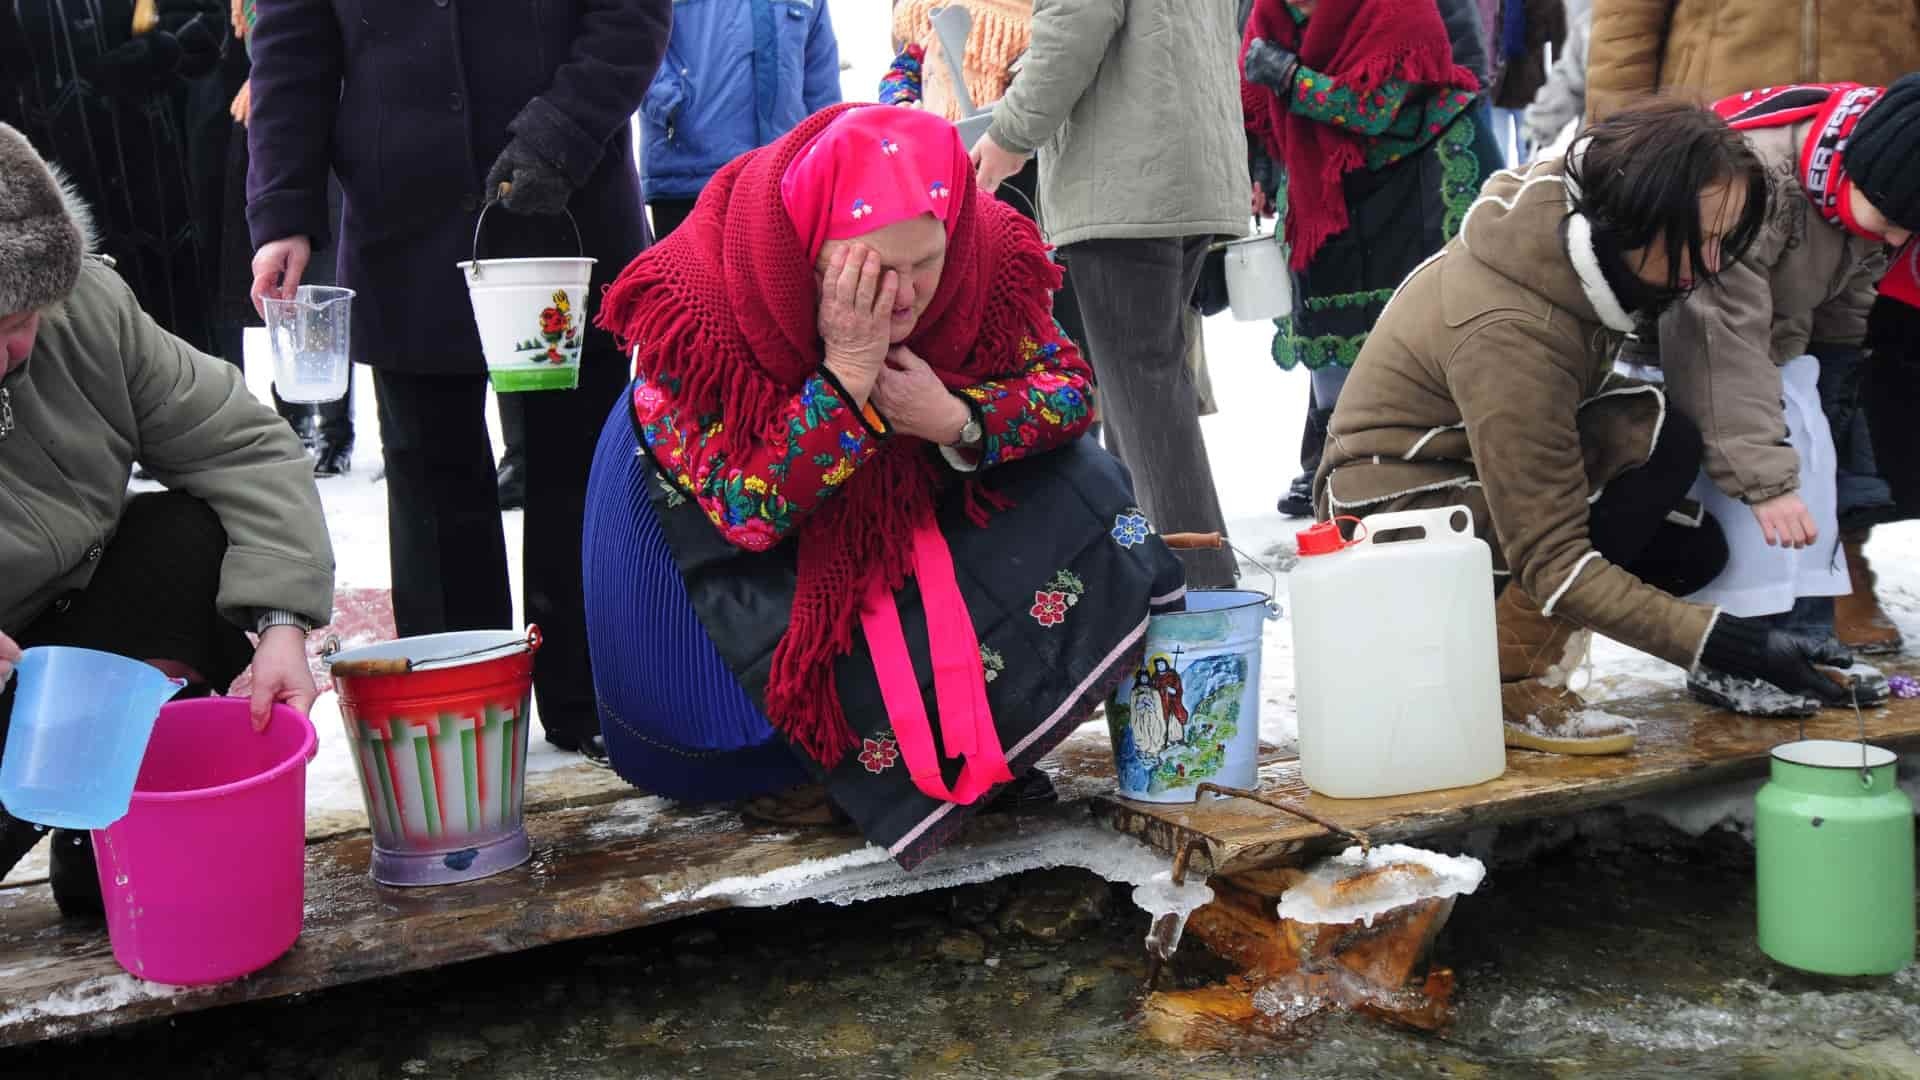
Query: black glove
(534,186)
(203,30)
(146,65)
(1751,649)
(1271,66)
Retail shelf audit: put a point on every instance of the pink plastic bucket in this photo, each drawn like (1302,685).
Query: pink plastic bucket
(205,878)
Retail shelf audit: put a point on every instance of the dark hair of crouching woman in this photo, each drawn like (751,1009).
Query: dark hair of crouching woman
(1489,382)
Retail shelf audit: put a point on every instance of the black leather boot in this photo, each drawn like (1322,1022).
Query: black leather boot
(513,456)
(333,436)
(1298,500)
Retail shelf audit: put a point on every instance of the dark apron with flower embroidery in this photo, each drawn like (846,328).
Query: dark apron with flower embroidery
(1059,587)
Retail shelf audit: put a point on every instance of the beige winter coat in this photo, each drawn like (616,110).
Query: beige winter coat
(104,387)
(1134,109)
(1802,281)
(1488,382)
(1709,49)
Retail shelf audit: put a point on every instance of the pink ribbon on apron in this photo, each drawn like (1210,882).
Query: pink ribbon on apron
(959,680)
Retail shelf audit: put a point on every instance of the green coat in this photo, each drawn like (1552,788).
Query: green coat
(104,387)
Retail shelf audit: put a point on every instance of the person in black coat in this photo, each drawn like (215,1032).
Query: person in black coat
(106,100)
(423,112)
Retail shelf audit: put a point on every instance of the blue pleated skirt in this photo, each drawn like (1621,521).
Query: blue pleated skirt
(675,720)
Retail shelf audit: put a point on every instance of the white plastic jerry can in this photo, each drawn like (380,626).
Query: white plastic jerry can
(1395,663)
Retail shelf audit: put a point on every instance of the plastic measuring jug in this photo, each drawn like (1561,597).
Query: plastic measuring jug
(309,335)
(81,720)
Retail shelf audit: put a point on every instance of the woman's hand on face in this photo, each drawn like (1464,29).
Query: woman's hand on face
(1786,522)
(856,317)
(914,401)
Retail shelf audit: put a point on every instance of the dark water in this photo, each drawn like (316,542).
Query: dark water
(1623,956)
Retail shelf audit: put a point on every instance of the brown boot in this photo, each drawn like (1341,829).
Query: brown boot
(1857,619)
(1538,654)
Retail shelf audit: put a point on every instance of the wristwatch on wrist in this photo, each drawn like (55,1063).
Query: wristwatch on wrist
(270,617)
(971,433)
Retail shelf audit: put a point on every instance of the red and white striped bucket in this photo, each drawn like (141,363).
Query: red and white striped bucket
(438,729)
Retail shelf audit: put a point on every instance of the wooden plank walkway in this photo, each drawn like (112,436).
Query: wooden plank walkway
(597,869)
(1682,744)
(605,861)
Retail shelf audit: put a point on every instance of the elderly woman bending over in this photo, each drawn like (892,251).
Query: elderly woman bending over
(847,484)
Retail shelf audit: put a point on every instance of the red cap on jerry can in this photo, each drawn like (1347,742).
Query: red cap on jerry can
(1322,539)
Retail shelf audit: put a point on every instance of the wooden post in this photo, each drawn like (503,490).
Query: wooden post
(1293,970)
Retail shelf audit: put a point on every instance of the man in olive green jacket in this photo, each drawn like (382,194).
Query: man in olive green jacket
(89,383)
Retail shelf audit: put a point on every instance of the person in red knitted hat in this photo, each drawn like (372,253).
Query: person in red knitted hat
(848,482)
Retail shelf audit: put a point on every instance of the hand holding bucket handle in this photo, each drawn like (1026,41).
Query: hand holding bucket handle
(579,246)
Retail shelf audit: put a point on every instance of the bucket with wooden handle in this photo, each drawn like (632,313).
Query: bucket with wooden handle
(438,730)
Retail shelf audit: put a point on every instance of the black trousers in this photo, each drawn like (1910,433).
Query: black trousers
(448,552)
(1631,525)
(668,214)
(151,599)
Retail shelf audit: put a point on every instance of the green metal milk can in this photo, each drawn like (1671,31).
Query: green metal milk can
(1833,854)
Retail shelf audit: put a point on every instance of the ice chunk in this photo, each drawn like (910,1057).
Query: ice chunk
(1169,904)
(1581,724)
(1158,895)
(868,874)
(1352,887)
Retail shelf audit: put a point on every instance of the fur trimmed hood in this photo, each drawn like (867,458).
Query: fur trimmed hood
(45,229)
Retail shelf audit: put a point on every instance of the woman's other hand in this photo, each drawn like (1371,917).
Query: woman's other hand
(1786,522)
(856,317)
(9,656)
(915,402)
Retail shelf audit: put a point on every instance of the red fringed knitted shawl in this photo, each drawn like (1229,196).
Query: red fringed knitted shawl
(1359,44)
(728,306)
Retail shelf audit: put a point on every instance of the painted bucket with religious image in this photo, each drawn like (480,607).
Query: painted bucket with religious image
(438,730)
(1190,714)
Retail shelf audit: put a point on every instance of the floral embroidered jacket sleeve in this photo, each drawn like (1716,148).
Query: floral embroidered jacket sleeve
(1046,403)
(810,449)
(1319,97)
(1397,118)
